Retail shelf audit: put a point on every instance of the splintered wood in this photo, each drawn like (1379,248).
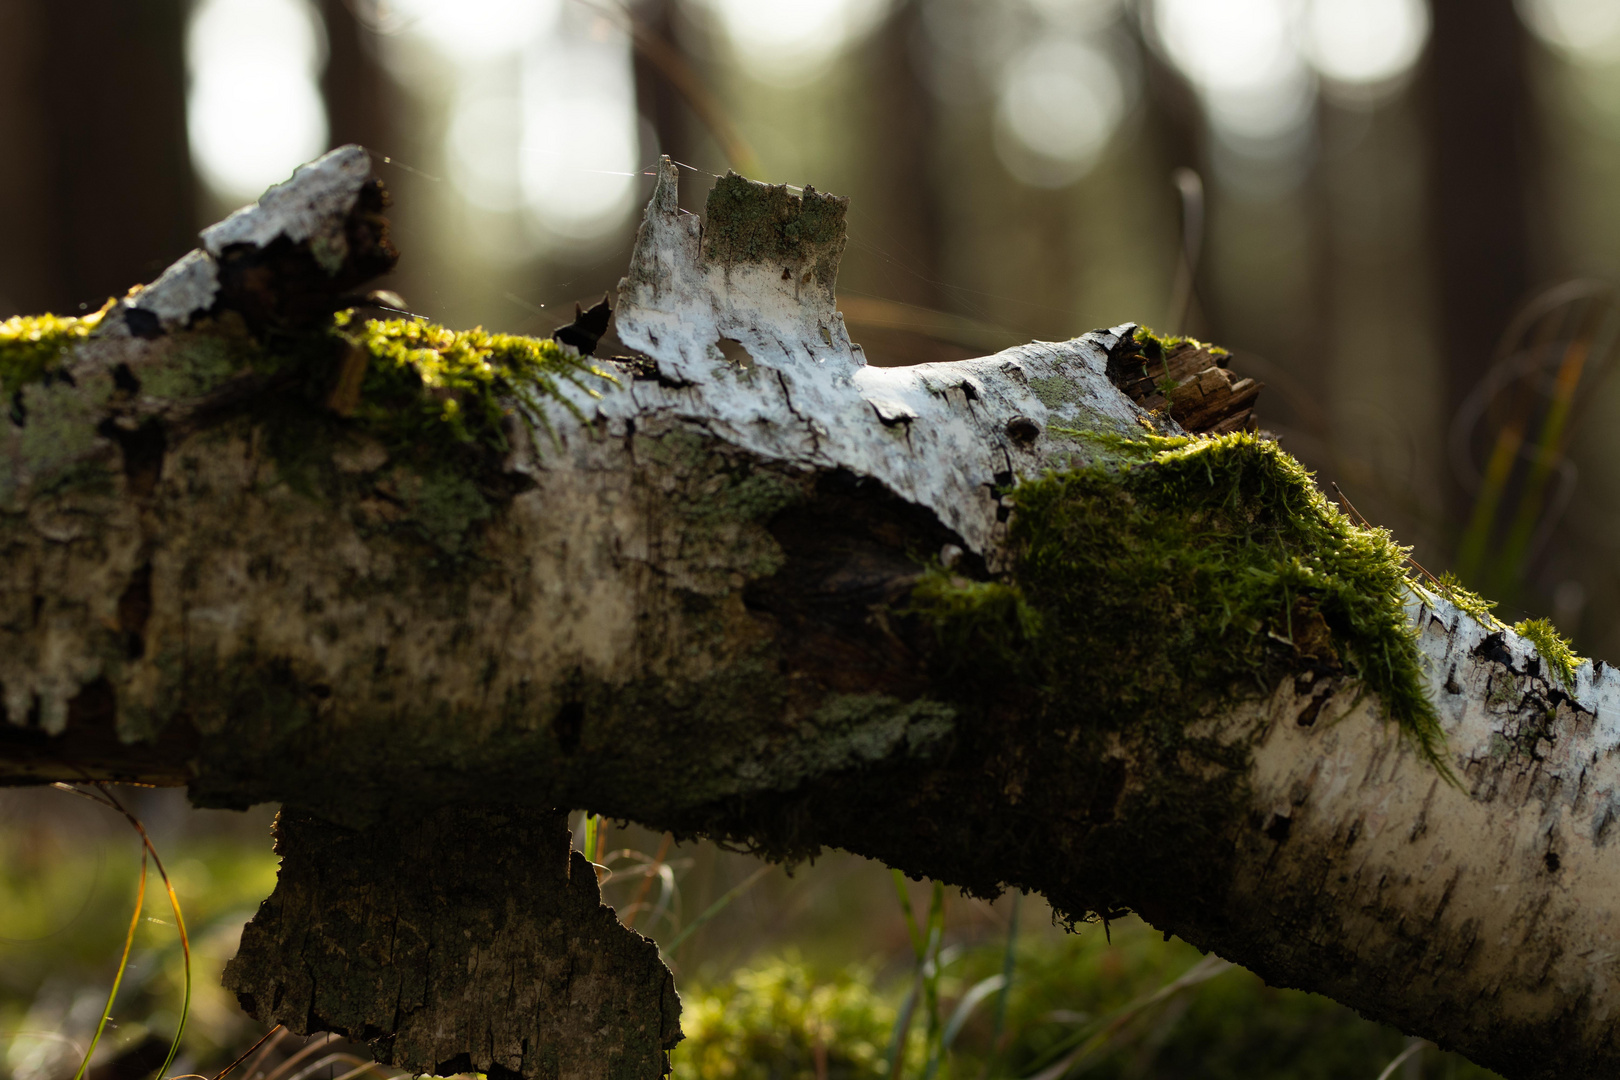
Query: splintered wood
(1187,382)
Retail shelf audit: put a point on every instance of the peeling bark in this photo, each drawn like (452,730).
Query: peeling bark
(691,604)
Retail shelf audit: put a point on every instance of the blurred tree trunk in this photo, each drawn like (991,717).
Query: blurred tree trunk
(1482,142)
(359,93)
(95,182)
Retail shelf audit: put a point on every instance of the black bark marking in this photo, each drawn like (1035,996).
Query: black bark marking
(134,609)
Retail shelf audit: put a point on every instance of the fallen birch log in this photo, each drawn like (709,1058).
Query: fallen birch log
(989,621)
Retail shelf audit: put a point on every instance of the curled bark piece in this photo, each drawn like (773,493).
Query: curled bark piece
(457,941)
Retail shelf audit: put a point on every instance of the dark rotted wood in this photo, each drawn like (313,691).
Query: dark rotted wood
(453,942)
(1188,382)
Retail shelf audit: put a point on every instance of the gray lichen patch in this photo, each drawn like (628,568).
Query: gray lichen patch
(750,222)
(195,363)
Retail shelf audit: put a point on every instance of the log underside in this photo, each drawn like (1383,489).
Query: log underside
(689,605)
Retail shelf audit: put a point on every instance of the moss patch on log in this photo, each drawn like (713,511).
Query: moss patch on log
(31,345)
(750,222)
(425,381)
(1155,345)
(1172,574)
(1554,648)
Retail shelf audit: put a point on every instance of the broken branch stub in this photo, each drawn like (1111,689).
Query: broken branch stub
(456,941)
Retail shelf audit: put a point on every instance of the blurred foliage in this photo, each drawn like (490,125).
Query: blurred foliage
(64,908)
(1067,991)
(773,1022)
(1120,1002)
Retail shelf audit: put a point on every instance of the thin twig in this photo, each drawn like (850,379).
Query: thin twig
(645,887)
(1356,514)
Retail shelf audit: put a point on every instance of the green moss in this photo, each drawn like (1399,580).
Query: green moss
(425,382)
(1466,600)
(1175,573)
(1156,345)
(1554,648)
(750,222)
(779,1022)
(30,345)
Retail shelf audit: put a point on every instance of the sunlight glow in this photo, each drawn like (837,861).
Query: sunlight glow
(1583,30)
(542,120)
(578,159)
(790,42)
(1060,101)
(472,30)
(253,107)
(1257,63)
(1365,42)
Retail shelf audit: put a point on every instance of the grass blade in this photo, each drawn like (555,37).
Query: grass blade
(118,978)
(716,908)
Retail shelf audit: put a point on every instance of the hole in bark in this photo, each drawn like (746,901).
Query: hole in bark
(1023,431)
(124,379)
(134,608)
(1308,717)
(143,451)
(498,1071)
(735,352)
(568,725)
(1277,827)
(461,1063)
(1551,859)
(95,705)
(143,323)
(849,553)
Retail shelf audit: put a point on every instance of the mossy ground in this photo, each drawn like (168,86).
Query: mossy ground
(1171,574)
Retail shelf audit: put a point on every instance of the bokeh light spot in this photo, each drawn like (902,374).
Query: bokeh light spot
(1060,101)
(253,107)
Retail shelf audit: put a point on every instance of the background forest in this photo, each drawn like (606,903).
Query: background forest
(1403,216)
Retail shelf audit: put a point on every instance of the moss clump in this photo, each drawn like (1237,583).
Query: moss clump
(1155,345)
(30,345)
(1556,651)
(750,222)
(1172,573)
(775,1022)
(1554,648)
(1468,601)
(427,383)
